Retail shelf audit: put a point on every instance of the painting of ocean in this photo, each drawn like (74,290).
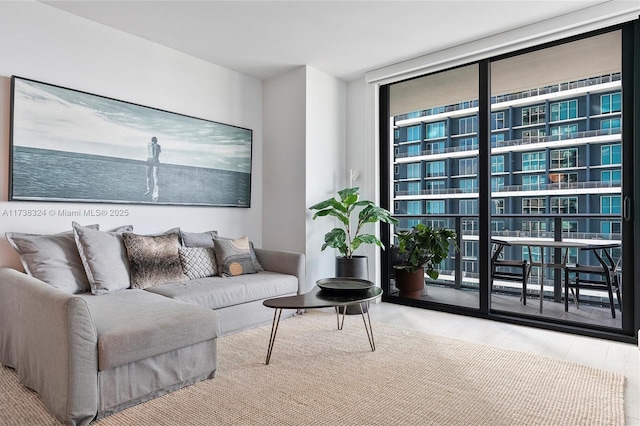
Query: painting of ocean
(40,174)
(68,145)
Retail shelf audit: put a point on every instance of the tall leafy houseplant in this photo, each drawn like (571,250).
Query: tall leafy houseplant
(420,250)
(424,247)
(349,236)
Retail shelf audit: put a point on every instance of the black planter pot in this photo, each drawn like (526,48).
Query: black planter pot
(353,267)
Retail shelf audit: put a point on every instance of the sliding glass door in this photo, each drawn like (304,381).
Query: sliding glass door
(556,142)
(533,150)
(435,172)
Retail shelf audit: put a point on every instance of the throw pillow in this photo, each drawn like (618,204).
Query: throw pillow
(198,239)
(233,257)
(104,258)
(153,259)
(256,263)
(198,262)
(53,259)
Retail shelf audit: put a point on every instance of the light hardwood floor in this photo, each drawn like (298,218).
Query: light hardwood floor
(623,358)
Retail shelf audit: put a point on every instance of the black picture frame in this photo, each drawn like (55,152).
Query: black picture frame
(73,146)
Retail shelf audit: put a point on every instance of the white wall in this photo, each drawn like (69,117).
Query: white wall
(363,159)
(304,162)
(326,161)
(49,45)
(284,110)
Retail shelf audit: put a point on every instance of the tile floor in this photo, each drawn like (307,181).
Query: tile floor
(587,314)
(623,358)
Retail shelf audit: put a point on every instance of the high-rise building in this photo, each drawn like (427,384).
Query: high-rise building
(555,150)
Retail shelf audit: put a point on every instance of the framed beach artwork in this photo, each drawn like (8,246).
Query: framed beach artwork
(68,145)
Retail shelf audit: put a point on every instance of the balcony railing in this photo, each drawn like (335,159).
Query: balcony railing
(454,271)
(556,138)
(515,188)
(554,88)
(438,110)
(519,142)
(560,185)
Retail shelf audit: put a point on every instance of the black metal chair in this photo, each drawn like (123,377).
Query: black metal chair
(504,269)
(603,276)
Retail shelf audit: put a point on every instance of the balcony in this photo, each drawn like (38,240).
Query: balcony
(459,280)
(555,88)
(519,190)
(572,139)
(541,91)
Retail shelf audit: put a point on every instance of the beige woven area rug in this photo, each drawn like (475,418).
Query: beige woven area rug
(319,375)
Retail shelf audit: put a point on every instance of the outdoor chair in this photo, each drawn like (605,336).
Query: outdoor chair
(509,270)
(603,276)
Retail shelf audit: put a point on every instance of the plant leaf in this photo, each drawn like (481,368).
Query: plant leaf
(365,239)
(373,213)
(344,193)
(336,238)
(433,274)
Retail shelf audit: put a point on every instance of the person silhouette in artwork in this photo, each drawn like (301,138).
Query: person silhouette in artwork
(153,161)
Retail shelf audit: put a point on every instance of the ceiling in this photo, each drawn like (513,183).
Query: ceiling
(342,38)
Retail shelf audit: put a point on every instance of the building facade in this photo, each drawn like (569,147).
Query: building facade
(555,153)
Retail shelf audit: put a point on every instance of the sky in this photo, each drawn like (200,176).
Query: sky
(51,117)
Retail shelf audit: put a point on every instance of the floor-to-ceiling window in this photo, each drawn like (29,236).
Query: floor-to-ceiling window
(555,179)
(527,148)
(437,185)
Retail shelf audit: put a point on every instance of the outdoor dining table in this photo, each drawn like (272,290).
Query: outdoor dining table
(554,244)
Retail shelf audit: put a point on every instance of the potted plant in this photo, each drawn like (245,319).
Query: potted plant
(420,250)
(350,235)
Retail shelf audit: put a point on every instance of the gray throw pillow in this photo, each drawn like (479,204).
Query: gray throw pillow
(198,239)
(153,259)
(198,262)
(256,263)
(53,259)
(104,258)
(234,257)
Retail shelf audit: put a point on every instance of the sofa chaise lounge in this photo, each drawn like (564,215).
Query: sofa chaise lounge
(91,353)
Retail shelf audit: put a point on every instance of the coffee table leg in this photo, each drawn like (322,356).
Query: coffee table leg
(274,330)
(368,328)
(344,312)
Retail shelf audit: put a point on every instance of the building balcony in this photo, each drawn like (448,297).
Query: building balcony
(516,190)
(587,84)
(459,280)
(556,88)
(526,144)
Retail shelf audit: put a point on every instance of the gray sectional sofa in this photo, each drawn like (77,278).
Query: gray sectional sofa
(95,350)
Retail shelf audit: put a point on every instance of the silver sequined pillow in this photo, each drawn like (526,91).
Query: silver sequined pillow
(198,262)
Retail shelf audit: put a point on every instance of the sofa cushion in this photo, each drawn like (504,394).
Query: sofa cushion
(53,259)
(219,292)
(198,239)
(135,324)
(198,262)
(153,259)
(104,258)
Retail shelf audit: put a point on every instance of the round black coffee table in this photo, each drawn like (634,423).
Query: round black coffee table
(319,298)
